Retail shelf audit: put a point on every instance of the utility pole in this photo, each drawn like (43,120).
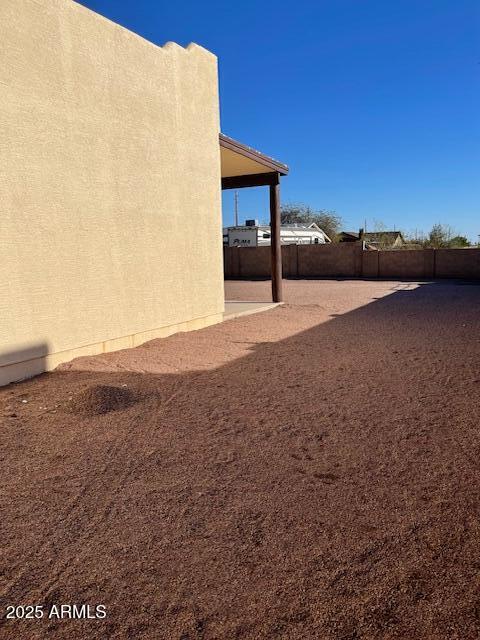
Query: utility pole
(236,207)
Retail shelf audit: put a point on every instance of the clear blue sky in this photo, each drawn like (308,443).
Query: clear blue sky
(374,104)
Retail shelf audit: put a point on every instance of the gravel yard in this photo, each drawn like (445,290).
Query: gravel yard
(311,472)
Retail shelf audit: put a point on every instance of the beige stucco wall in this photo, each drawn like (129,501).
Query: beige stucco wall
(110,212)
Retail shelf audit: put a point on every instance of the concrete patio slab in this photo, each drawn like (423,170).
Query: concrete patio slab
(237,308)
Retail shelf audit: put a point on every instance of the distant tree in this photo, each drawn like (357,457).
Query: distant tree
(379,226)
(415,236)
(440,236)
(301,213)
(459,241)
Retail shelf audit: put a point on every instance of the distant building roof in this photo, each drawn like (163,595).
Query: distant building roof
(382,234)
(385,238)
(354,235)
(373,237)
(311,226)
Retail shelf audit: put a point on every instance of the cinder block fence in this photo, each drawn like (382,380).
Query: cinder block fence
(349,260)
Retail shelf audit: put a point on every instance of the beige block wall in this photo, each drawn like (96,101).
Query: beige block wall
(347,259)
(110,211)
(343,260)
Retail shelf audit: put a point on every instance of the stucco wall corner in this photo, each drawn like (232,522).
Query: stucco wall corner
(110,204)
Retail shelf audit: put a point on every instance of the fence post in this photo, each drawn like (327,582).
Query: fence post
(358,268)
(429,263)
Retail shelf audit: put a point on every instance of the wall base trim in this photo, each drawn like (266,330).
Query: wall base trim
(15,372)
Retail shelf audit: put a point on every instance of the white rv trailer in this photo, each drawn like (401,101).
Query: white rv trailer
(259,235)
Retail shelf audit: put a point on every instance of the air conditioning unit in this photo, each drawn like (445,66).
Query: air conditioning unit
(251,223)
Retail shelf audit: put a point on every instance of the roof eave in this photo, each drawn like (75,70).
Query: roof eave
(253,154)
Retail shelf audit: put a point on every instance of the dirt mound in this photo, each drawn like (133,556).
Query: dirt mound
(101,399)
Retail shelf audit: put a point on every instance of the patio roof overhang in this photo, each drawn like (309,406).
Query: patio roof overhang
(242,167)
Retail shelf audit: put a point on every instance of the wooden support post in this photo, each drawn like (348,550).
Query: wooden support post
(275,246)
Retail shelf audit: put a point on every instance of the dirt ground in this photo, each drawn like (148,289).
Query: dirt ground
(311,472)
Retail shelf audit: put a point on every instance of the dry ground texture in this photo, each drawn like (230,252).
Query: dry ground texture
(311,472)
